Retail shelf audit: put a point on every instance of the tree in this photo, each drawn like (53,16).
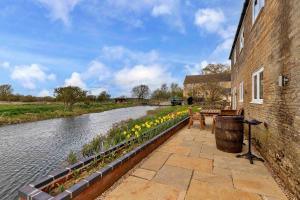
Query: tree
(103,96)
(213,90)
(6,91)
(216,69)
(161,94)
(141,91)
(69,95)
(176,91)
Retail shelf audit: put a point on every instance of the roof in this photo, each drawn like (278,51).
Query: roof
(246,4)
(223,77)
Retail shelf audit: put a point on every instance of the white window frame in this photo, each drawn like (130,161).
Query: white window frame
(242,39)
(241,92)
(234,99)
(257,8)
(258,99)
(234,56)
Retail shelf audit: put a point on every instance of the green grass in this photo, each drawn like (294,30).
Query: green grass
(18,113)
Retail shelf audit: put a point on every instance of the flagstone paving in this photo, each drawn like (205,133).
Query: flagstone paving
(189,167)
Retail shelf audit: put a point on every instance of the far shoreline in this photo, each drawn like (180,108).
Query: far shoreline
(44,111)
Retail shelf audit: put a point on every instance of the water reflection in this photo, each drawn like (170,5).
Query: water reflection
(30,150)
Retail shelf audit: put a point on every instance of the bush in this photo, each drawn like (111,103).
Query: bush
(72,158)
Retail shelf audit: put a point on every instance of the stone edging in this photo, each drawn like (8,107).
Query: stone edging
(93,185)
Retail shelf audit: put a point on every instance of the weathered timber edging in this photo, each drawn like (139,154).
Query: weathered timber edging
(95,184)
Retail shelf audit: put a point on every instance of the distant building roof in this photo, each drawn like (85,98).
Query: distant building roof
(193,79)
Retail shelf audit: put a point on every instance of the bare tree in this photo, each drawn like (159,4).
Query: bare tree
(213,90)
(176,91)
(6,91)
(216,69)
(141,91)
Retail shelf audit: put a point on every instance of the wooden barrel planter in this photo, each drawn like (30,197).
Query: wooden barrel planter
(229,133)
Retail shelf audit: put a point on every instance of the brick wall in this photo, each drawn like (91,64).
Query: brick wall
(273,42)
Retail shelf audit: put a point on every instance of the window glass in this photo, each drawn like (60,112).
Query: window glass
(255,86)
(261,85)
(241,91)
(242,39)
(257,6)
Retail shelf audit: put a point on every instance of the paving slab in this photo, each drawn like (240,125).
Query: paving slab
(202,190)
(155,161)
(257,184)
(200,164)
(137,188)
(214,179)
(180,150)
(190,167)
(175,176)
(144,173)
(240,164)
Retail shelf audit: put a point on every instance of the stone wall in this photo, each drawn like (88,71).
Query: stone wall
(273,42)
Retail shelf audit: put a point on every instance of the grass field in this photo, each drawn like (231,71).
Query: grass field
(18,113)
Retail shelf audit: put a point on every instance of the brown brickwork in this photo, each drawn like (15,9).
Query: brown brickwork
(273,42)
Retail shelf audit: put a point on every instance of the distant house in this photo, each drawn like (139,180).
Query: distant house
(193,84)
(265,60)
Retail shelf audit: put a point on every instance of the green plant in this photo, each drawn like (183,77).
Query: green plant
(76,173)
(72,158)
(61,187)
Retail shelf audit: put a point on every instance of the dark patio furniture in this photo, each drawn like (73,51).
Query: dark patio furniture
(249,154)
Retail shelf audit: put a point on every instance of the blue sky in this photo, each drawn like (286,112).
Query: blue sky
(111,45)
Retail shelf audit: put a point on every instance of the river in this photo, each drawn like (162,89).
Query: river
(31,150)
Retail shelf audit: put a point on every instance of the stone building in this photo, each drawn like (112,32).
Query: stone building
(193,84)
(265,60)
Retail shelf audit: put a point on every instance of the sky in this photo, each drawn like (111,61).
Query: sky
(111,45)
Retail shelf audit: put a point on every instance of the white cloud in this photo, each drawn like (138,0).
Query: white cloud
(210,19)
(195,69)
(97,91)
(213,21)
(161,10)
(151,75)
(98,70)
(5,65)
(75,80)
(133,11)
(29,75)
(44,93)
(127,56)
(224,46)
(60,9)
(227,32)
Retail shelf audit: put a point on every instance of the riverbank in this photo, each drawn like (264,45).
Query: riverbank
(19,113)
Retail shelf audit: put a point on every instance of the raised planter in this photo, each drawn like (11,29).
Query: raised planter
(229,133)
(94,185)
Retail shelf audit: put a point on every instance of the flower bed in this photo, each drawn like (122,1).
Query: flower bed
(102,169)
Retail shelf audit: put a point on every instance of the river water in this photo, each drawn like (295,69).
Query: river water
(31,150)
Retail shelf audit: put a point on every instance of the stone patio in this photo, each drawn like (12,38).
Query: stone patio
(188,166)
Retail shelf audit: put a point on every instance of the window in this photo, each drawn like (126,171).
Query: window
(257,6)
(241,91)
(234,57)
(234,98)
(258,86)
(242,39)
